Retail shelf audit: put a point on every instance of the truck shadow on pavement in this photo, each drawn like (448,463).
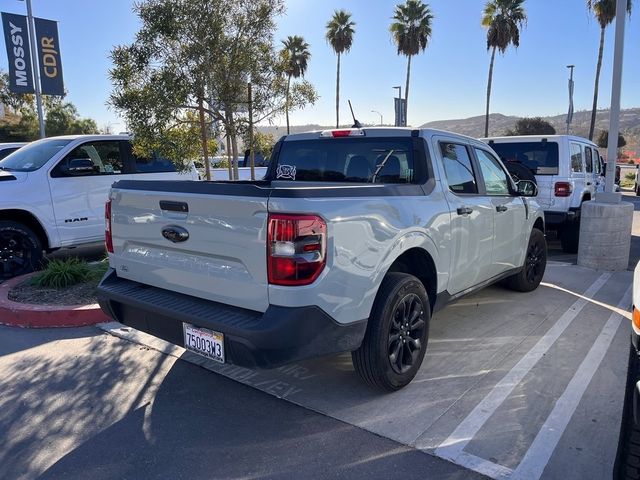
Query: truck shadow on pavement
(106,408)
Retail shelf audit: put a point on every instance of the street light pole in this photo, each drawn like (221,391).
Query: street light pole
(614,121)
(34,67)
(375,111)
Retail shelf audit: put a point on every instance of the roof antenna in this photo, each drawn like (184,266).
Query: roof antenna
(356,123)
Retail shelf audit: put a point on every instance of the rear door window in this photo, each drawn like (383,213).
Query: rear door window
(542,157)
(588,159)
(458,169)
(576,158)
(350,160)
(153,164)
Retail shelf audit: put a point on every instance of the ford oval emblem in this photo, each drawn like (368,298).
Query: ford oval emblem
(175,234)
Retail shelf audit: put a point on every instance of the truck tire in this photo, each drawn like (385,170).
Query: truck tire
(570,237)
(20,250)
(396,338)
(627,464)
(519,171)
(535,263)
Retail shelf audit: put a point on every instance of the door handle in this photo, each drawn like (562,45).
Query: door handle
(464,211)
(501,208)
(588,184)
(169,206)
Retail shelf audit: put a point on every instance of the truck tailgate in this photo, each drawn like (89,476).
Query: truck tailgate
(222,258)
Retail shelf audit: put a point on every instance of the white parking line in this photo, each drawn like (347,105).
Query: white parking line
(453,447)
(540,451)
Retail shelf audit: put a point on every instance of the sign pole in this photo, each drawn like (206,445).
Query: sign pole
(34,67)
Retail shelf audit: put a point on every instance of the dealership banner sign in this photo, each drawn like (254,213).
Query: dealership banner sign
(49,57)
(16,37)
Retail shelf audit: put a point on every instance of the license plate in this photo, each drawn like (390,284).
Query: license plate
(205,342)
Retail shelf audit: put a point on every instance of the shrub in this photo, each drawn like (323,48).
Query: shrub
(63,273)
(630,175)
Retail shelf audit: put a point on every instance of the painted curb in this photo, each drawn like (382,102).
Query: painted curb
(27,315)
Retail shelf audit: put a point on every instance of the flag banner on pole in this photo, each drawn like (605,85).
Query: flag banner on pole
(570,114)
(16,38)
(399,104)
(49,60)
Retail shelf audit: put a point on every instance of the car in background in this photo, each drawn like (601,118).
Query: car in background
(53,193)
(567,170)
(9,148)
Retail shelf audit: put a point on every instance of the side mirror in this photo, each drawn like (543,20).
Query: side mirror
(527,188)
(78,166)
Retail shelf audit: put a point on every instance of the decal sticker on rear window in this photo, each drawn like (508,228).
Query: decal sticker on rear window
(286,172)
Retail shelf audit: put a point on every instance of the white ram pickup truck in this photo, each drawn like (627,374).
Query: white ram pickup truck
(52,193)
(350,243)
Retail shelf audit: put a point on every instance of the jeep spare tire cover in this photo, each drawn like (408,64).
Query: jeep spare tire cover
(519,172)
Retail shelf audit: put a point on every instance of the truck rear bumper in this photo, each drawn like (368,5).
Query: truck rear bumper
(252,339)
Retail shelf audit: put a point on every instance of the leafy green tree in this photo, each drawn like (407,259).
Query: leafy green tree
(605,13)
(62,118)
(411,32)
(262,142)
(532,126)
(339,35)
(503,20)
(198,56)
(296,56)
(603,140)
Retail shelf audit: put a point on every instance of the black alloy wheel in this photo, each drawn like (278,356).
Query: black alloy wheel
(406,330)
(20,250)
(535,263)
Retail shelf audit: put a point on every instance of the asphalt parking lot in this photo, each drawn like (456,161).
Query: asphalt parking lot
(513,386)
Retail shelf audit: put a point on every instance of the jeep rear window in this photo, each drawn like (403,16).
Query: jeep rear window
(348,160)
(540,157)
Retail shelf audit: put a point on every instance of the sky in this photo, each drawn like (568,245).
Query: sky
(448,80)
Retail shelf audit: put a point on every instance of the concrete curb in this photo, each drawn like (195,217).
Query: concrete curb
(27,315)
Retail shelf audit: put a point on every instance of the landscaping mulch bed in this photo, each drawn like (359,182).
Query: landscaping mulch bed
(81,294)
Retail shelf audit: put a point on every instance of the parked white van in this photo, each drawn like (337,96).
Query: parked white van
(568,172)
(53,191)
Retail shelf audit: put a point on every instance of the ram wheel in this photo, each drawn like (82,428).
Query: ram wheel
(20,250)
(396,339)
(535,263)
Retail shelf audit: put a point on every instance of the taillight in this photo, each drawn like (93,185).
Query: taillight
(636,317)
(108,240)
(296,248)
(562,189)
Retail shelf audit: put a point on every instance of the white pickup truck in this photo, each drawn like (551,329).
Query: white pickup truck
(52,193)
(349,244)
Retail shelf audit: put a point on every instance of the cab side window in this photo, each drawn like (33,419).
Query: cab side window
(458,168)
(576,158)
(588,159)
(92,158)
(496,180)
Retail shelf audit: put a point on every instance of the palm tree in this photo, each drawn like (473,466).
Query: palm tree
(605,12)
(340,36)
(503,20)
(296,55)
(411,32)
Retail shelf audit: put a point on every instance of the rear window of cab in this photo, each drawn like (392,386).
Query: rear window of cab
(542,158)
(349,160)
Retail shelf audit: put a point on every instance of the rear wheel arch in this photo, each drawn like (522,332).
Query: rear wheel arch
(28,220)
(539,224)
(418,262)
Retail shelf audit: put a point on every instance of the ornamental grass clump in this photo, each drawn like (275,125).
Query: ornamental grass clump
(63,273)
